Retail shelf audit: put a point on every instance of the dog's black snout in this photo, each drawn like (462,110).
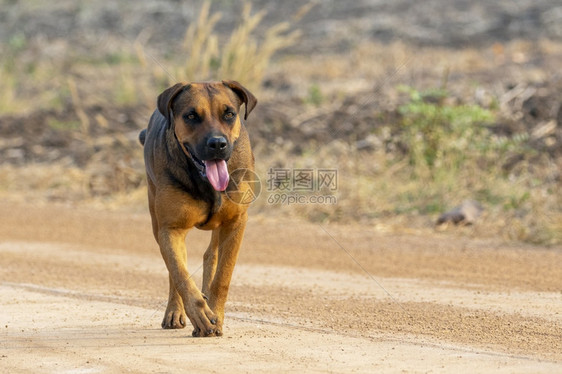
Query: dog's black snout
(217,143)
(214,147)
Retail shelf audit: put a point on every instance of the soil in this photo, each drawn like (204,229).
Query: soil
(84,291)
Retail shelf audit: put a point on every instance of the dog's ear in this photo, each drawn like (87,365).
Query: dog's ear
(166,98)
(246,96)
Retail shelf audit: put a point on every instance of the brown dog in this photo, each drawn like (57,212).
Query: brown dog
(193,142)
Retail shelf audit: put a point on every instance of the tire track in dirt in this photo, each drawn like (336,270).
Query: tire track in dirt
(314,299)
(148,269)
(96,340)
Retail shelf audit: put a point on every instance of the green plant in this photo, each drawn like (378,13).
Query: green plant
(315,96)
(438,135)
(17,42)
(63,125)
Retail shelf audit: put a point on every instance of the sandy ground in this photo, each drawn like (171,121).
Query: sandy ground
(84,291)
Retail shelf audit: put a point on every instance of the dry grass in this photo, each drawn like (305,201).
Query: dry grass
(243,57)
(376,186)
(25,87)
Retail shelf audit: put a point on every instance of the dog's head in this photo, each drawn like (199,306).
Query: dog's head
(205,120)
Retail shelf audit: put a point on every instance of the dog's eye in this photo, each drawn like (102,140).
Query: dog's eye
(229,115)
(190,117)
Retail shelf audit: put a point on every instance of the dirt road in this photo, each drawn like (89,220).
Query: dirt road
(84,291)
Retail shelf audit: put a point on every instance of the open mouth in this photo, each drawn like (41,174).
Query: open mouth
(200,165)
(216,171)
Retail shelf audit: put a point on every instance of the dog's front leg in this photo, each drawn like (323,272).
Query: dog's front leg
(172,247)
(210,259)
(230,239)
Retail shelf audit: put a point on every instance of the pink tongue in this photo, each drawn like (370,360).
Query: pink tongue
(217,174)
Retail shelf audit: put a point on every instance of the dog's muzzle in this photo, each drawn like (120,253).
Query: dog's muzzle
(213,167)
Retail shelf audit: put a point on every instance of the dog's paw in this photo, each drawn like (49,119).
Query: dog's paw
(202,318)
(217,331)
(174,319)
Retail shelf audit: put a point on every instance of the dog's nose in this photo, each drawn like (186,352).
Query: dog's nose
(217,143)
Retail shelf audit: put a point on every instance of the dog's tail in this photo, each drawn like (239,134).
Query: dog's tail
(142,136)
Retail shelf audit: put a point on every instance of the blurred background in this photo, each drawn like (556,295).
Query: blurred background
(418,105)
